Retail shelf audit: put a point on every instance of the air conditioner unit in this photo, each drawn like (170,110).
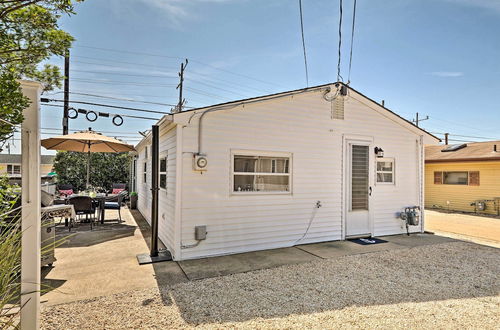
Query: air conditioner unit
(200,162)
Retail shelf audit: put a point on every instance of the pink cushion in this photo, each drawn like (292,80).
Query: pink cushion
(117,191)
(66,192)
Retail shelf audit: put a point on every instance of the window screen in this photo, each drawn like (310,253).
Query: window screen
(261,174)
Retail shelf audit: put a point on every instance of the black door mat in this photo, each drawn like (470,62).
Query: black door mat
(367,241)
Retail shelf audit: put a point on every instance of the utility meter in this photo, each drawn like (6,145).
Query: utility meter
(200,162)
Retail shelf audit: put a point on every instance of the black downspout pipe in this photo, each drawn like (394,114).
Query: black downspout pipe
(154,190)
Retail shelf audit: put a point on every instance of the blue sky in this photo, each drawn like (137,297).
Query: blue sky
(439,58)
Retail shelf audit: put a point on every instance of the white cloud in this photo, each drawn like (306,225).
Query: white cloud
(447,74)
(178,11)
(483,4)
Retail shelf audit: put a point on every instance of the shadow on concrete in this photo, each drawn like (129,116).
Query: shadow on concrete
(82,236)
(167,273)
(48,285)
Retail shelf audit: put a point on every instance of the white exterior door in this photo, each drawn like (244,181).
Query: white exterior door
(358,186)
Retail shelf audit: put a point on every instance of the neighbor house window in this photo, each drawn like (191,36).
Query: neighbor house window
(13,169)
(261,173)
(456,178)
(385,170)
(163,172)
(470,178)
(145,172)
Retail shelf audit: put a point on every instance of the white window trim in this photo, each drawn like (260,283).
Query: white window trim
(164,155)
(386,159)
(261,153)
(144,172)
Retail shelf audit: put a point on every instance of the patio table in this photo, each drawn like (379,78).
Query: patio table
(99,198)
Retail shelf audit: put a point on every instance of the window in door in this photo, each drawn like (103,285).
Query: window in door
(359,177)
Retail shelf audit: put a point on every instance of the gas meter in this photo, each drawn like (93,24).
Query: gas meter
(411,217)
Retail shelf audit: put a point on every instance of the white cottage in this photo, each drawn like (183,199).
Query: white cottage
(317,164)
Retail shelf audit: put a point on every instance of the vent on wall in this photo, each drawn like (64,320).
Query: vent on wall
(338,108)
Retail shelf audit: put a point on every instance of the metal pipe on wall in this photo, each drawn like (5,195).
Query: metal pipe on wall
(154,189)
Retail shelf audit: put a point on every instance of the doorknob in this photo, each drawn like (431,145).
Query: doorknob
(370,191)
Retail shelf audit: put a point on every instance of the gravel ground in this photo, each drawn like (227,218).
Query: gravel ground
(436,286)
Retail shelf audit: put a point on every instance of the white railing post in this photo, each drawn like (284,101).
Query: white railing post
(30,172)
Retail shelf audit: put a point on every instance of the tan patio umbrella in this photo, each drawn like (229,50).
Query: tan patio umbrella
(86,141)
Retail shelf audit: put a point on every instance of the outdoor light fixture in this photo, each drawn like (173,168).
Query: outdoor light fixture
(379,152)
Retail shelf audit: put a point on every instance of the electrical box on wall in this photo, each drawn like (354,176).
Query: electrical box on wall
(200,232)
(200,162)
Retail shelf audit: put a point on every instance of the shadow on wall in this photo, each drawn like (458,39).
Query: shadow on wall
(430,273)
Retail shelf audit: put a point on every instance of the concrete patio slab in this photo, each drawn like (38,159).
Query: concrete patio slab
(415,240)
(244,262)
(102,262)
(337,249)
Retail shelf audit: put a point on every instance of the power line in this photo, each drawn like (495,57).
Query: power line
(109,106)
(339,77)
(352,42)
(113,82)
(125,74)
(115,98)
(467,136)
(176,57)
(119,114)
(79,130)
(161,67)
(303,41)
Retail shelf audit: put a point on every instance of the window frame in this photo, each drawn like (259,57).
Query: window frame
(260,153)
(393,172)
(145,172)
(160,172)
(456,184)
(12,171)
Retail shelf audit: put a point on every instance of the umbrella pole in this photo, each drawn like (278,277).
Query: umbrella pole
(88,168)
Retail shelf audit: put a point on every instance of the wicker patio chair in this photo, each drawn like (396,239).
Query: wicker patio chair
(115,203)
(84,205)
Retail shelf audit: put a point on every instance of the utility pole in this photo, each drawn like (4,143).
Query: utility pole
(446,138)
(179,87)
(66,93)
(417,120)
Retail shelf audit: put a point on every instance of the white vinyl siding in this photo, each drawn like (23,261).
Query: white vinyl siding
(166,196)
(301,126)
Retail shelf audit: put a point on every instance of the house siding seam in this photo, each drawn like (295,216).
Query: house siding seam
(300,125)
(460,197)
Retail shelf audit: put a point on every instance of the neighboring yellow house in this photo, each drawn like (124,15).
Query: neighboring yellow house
(463,177)
(10,165)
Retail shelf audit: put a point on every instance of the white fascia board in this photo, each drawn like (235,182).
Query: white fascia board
(428,138)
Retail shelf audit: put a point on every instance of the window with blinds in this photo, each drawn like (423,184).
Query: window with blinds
(359,177)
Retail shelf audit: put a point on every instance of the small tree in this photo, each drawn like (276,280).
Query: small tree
(29,35)
(105,168)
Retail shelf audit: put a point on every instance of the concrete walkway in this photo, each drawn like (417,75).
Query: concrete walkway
(239,263)
(103,262)
(478,229)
